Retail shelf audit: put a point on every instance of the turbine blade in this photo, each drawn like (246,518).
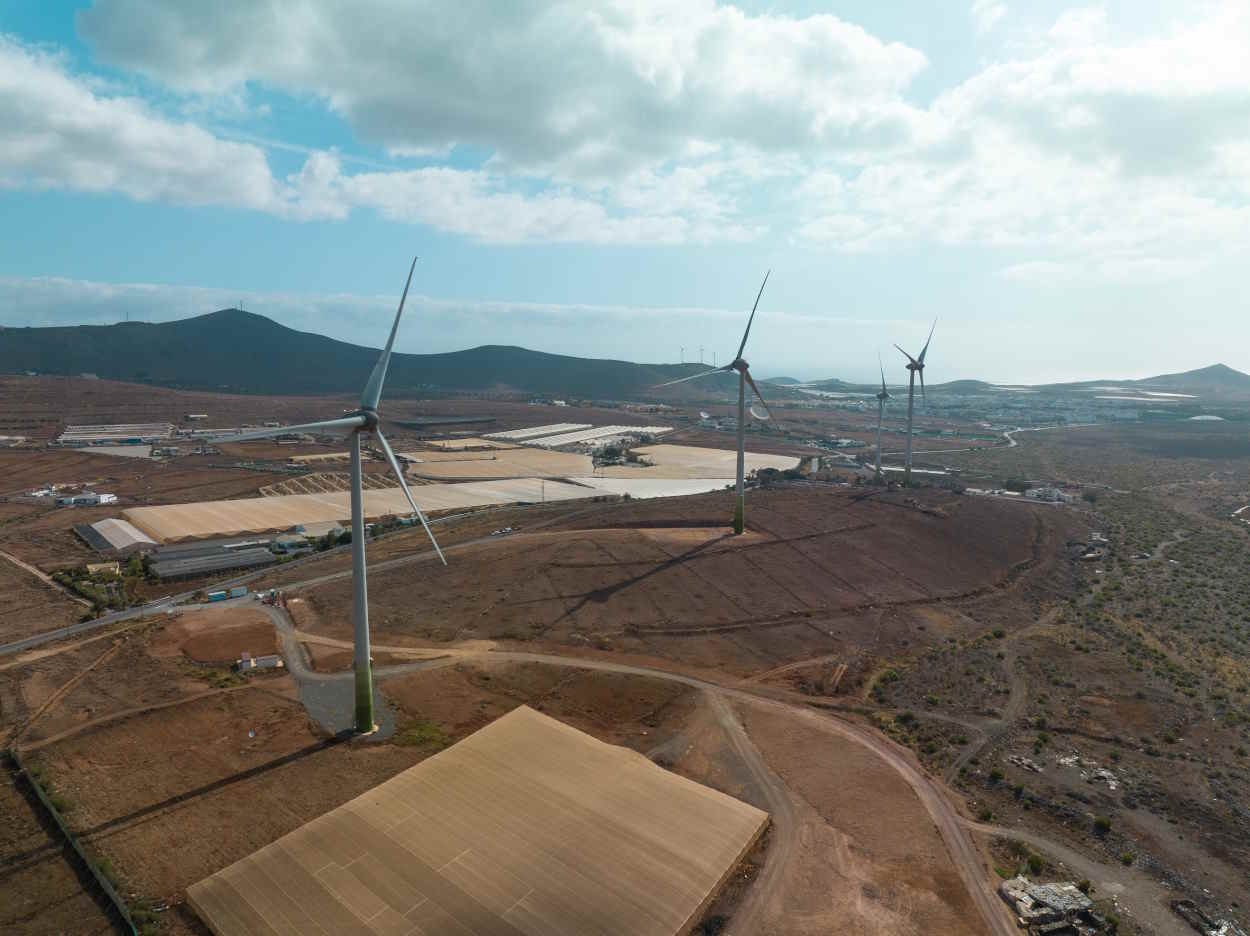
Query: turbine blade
(882,366)
(373,389)
(906,355)
(747,375)
(341,425)
(742,347)
(923,398)
(399,474)
(925,349)
(714,370)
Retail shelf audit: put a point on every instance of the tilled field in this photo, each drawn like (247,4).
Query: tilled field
(823,571)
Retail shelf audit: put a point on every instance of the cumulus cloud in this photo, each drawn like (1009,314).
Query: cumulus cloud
(672,122)
(1127,156)
(57,131)
(985,13)
(571,88)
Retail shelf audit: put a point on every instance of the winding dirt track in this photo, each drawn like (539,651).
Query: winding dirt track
(949,823)
(1148,898)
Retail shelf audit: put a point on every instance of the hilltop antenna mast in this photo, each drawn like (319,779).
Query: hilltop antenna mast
(700,354)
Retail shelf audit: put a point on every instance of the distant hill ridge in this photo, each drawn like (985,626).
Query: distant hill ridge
(242,352)
(237,351)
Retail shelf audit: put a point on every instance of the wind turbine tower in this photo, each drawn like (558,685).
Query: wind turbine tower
(881,398)
(364,420)
(915,365)
(744,378)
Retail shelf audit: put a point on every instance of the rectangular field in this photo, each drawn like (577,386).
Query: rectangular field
(471,442)
(692,461)
(601,432)
(533,432)
(507,463)
(528,826)
(173,522)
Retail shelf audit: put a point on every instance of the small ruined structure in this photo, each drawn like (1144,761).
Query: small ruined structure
(1050,909)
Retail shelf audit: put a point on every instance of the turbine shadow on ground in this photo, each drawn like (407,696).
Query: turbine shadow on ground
(214,786)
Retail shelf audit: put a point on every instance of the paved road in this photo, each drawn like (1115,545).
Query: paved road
(82,627)
(154,607)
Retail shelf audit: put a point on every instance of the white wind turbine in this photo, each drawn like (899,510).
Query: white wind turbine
(881,398)
(363,420)
(744,378)
(914,366)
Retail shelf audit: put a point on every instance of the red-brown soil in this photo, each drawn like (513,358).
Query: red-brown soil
(217,636)
(40,893)
(870,859)
(45,537)
(28,605)
(614,707)
(825,571)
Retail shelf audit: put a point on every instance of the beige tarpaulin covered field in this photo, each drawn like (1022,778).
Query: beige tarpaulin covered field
(527,827)
(655,486)
(465,443)
(509,463)
(257,514)
(690,461)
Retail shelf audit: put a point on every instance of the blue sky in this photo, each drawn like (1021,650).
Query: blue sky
(1065,187)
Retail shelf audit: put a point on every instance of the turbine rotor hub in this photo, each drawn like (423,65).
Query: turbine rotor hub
(371,420)
(740,365)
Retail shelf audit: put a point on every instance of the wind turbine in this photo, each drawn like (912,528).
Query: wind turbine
(744,378)
(915,365)
(364,420)
(881,398)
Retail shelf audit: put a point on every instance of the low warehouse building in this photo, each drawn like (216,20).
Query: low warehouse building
(204,564)
(113,536)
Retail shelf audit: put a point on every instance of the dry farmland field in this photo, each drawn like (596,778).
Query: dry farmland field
(28,604)
(923,689)
(39,407)
(526,827)
(822,571)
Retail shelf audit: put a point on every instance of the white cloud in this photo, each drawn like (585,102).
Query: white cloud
(58,131)
(1121,158)
(985,13)
(572,88)
(674,122)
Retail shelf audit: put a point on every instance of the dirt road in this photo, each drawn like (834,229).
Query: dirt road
(968,863)
(1144,899)
(780,809)
(47,580)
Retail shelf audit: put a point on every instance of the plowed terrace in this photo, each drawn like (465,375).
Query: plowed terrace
(820,571)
